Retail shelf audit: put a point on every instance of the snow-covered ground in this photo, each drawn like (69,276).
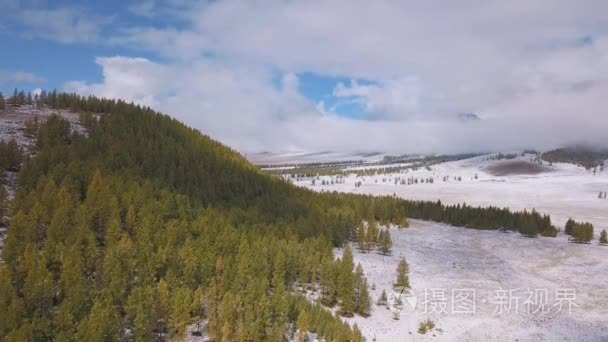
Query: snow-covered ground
(564,191)
(448,261)
(267,158)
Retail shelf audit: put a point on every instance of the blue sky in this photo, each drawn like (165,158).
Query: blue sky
(329,74)
(54,61)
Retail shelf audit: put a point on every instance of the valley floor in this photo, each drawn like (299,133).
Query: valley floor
(448,261)
(564,191)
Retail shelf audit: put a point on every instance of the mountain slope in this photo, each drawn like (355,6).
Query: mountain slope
(140,226)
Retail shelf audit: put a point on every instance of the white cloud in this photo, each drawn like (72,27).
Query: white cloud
(238,105)
(27,77)
(65,25)
(534,71)
(20,77)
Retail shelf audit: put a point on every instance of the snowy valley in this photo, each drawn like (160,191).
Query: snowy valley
(511,283)
(514,285)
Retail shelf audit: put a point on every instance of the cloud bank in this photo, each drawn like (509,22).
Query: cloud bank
(536,73)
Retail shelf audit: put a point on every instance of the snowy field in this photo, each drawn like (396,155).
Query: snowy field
(447,261)
(518,282)
(267,158)
(564,191)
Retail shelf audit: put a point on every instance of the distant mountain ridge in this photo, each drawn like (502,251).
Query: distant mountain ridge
(468,117)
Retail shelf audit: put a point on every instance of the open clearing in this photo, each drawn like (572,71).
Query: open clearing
(564,191)
(447,258)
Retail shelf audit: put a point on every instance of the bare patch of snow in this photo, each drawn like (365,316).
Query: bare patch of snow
(447,258)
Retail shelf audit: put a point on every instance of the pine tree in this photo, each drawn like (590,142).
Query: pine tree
(303,326)
(11,155)
(22,97)
(386,243)
(362,298)
(329,280)
(180,312)
(4,205)
(141,312)
(31,127)
(214,298)
(582,233)
(346,283)
(569,226)
(131,219)
(73,285)
(383,299)
(38,292)
(102,323)
(2,102)
(361,237)
(371,236)
(117,268)
(15,98)
(357,335)
(11,305)
(603,237)
(402,274)
(279,305)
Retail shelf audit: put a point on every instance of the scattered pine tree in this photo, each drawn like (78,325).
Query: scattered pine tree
(569,226)
(385,242)
(603,237)
(362,297)
(402,274)
(382,300)
(582,233)
(346,288)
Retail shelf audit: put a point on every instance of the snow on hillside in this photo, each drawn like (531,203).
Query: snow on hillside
(560,190)
(12,126)
(12,122)
(444,259)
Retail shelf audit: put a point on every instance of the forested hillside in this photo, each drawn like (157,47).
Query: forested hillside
(141,226)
